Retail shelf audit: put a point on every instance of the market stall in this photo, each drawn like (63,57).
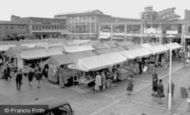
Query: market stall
(73,49)
(109,50)
(55,62)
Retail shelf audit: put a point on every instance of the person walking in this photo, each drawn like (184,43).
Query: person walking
(98,82)
(172,90)
(30,77)
(160,91)
(130,85)
(154,84)
(19,80)
(38,75)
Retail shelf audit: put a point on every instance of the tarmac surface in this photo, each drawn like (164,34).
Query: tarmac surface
(113,101)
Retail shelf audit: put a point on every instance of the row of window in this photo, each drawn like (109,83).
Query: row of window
(81,19)
(49,27)
(12,27)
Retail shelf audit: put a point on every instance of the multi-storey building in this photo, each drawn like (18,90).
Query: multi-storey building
(84,25)
(10,30)
(121,28)
(43,27)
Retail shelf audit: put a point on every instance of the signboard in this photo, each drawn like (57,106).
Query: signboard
(171,32)
(152,31)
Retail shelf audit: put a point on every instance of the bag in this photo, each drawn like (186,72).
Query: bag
(145,68)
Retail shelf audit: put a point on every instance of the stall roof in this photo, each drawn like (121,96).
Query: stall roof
(15,51)
(109,50)
(99,61)
(6,47)
(68,58)
(75,56)
(173,46)
(31,45)
(155,48)
(72,49)
(110,44)
(127,43)
(40,53)
(98,45)
(59,60)
(77,42)
(134,53)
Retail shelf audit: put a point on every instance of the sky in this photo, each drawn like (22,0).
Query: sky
(120,8)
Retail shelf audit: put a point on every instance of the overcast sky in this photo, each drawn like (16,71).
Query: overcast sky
(121,8)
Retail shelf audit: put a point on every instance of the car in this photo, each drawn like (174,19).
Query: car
(55,107)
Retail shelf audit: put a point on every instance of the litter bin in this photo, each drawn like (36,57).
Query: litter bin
(184,92)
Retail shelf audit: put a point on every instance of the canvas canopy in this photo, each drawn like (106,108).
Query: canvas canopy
(155,49)
(59,60)
(99,61)
(134,53)
(173,46)
(40,53)
(109,50)
(5,47)
(72,49)
(68,58)
(31,45)
(77,42)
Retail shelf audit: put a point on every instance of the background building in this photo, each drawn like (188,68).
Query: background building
(13,30)
(43,27)
(84,25)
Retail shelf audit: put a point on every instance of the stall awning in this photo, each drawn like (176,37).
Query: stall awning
(6,47)
(109,50)
(77,55)
(173,46)
(77,42)
(135,53)
(72,49)
(31,45)
(155,49)
(99,61)
(59,60)
(40,53)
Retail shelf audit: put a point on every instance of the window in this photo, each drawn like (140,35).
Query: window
(189,29)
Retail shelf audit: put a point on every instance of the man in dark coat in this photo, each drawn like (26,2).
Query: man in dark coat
(30,76)
(154,84)
(160,91)
(38,75)
(19,80)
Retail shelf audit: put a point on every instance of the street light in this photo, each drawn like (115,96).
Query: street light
(170,75)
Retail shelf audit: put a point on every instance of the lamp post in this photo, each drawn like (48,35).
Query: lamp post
(170,77)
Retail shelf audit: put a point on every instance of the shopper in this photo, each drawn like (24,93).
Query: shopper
(160,91)
(19,80)
(154,84)
(38,75)
(30,76)
(130,85)
(172,90)
(98,82)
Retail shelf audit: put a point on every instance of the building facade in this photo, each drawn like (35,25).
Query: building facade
(84,25)
(44,27)
(10,30)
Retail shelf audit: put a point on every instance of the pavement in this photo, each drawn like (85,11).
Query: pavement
(113,101)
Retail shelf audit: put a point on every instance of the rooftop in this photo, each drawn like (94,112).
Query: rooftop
(87,13)
(11,22)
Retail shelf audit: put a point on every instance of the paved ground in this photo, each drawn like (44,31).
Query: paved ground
(113,101)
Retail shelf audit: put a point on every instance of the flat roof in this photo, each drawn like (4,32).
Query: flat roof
(12,22)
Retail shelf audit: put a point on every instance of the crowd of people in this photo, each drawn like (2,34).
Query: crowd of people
(30,71)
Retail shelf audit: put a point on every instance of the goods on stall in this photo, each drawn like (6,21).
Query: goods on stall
(123,74)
